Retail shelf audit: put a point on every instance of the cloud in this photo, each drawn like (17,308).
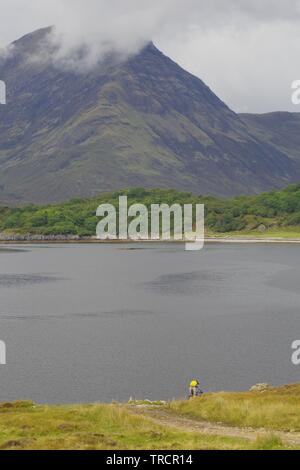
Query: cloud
(250,68)
(247,51)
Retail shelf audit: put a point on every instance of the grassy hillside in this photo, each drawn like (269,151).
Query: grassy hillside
(275,409)
(275,213)
(85,427)
(24,425)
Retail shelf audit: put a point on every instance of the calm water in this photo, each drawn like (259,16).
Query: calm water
(96,323)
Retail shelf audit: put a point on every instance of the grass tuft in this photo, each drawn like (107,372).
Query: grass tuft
(270,442)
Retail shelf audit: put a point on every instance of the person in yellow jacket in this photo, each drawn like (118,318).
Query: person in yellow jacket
(194,389)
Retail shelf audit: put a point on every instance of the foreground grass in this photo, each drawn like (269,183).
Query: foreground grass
(99,427)
(276,409)
(24,425)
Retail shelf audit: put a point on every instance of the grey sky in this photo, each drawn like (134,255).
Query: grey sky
(247,51)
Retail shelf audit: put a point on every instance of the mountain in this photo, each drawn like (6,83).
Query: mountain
(281,130)
(143,121)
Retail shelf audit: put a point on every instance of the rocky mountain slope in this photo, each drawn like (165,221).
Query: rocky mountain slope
(281,130)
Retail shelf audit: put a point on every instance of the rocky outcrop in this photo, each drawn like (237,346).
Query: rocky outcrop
(260,387)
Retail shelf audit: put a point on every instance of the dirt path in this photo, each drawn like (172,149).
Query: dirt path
(162,416)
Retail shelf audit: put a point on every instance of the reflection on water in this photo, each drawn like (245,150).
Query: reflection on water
(186,283)
(11,250)
(24,280)
(86,315)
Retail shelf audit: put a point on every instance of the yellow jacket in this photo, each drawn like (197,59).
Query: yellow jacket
(194,383)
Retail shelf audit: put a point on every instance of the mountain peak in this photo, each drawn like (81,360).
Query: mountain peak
(150,47)
(39,45)
(32,40)
(40,33)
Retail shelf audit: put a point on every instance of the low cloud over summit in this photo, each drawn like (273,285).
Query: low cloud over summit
(247,51)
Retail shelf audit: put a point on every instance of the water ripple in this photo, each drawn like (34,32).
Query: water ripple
(189,283)
(25,280)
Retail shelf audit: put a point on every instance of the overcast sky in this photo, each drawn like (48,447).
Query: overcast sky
(247,51)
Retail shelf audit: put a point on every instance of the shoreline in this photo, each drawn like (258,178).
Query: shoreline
(81,241)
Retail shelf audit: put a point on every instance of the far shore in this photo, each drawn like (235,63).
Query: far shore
(35,240)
